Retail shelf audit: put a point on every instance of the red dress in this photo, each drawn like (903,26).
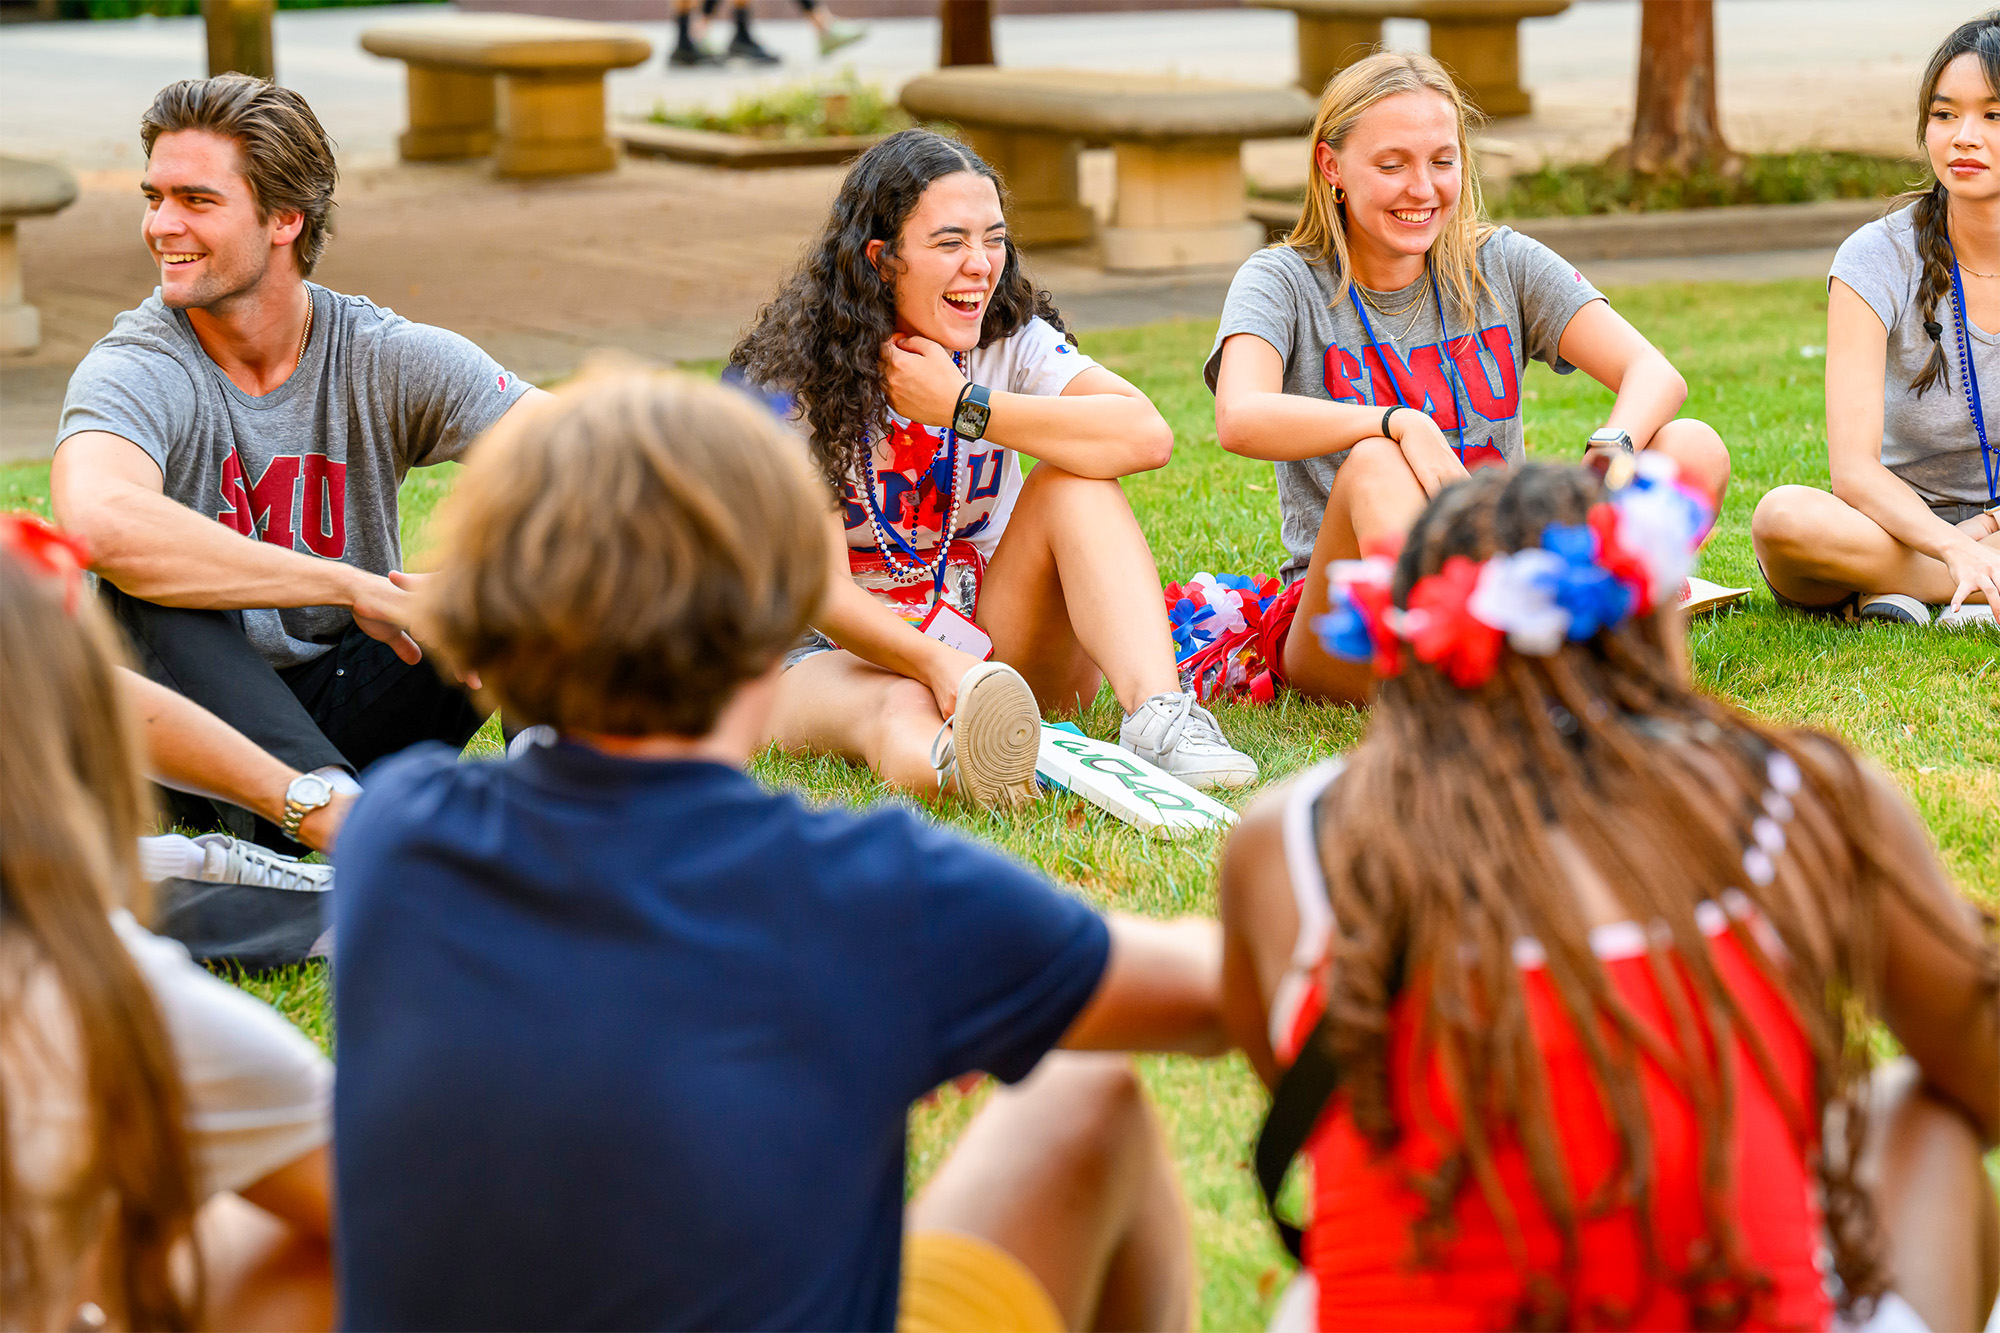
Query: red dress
(1360,1245)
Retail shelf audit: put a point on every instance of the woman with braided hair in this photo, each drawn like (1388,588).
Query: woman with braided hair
(1913,519)
(1588,963)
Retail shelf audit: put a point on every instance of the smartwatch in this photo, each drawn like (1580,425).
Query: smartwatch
(1609,437)
(974,410)
(308,792)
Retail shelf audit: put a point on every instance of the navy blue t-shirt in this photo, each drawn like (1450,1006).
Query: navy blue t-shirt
(632,1044)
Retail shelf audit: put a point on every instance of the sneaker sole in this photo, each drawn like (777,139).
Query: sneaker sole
(996,736)
(1894,608)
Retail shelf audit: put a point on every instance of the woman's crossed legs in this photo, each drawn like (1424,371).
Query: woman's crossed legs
(1816,550)
(1070,599)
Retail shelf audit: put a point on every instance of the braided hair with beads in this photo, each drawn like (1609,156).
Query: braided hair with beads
(1439,846)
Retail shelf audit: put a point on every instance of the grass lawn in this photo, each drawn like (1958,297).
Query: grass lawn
(1925,705)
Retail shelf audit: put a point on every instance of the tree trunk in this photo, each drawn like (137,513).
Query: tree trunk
(1675,129)
(967,32)
(239,37)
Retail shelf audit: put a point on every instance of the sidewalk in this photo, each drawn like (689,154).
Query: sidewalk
(669,260)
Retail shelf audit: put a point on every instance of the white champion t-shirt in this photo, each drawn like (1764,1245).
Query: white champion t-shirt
(912,489)
(259,1093)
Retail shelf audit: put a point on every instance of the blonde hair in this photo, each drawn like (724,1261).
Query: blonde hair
(629,555)
(72,806)
(1321,233)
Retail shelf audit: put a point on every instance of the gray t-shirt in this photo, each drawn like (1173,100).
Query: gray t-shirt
(314,464)
(1288,302)
(1928,441)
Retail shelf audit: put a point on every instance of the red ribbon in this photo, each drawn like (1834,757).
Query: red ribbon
(1618,562)
(47,550)
(1446,634)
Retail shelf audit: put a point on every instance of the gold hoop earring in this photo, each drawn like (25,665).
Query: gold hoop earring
(1339,195)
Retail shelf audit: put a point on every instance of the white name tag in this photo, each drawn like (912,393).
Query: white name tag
(949,627)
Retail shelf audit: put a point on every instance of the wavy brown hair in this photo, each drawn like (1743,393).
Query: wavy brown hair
(72,807)
(1437,850)
(819,340)
(1930,207)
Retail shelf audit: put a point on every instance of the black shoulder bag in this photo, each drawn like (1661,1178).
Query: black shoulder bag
(1302,1093)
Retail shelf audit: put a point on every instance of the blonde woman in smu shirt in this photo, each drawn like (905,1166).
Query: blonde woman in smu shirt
(924,365)
(1376,355)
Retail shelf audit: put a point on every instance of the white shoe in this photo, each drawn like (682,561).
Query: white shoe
(1178,735)
(1970,615)
(227,860)
(988,748)
(1895,607)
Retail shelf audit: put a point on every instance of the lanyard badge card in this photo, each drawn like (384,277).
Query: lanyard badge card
(948,625)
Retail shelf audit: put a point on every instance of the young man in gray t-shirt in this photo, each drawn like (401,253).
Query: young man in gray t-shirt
(231,450)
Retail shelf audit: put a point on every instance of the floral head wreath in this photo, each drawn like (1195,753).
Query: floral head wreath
(48,551)
(1631,554)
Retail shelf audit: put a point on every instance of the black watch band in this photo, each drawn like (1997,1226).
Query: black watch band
(1393,409)
(971,412)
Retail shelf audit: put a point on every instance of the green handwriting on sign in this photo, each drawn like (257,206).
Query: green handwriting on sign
(1129,775)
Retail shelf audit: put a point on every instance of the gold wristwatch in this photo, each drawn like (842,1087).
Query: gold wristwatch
(306,793)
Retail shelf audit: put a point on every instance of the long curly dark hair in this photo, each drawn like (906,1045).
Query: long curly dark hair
(1930,206)
(1657,785)
(820,338)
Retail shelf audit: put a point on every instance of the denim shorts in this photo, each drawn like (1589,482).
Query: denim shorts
(811,642)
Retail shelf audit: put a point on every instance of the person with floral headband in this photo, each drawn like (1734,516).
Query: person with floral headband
(1565,980)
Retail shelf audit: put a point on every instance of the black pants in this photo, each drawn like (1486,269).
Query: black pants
(350,706)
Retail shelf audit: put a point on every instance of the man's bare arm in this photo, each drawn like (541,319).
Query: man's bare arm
(108,491)
(190,749)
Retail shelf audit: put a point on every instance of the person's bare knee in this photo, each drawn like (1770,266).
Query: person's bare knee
(1933,1199)
(1698,449)
(1059,1172)
(898,739)
(1782,525)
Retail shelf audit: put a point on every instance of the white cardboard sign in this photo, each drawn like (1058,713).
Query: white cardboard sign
(1120,782)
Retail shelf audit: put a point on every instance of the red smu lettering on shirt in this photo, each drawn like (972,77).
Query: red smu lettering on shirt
(1421,381)
(270,509)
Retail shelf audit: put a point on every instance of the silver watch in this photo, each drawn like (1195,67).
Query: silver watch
(306,793)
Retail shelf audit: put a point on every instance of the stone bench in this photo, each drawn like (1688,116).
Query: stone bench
(1179,197)
(27,190)
(1479,41)
(527,89)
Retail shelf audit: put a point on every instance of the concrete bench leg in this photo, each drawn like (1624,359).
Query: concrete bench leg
(1180,205)
(1040,172)
(552,124)
(1329,45)
(1485,58)
(451,115)
(20,323)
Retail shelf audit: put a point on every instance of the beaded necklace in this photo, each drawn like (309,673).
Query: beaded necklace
(887,540)
(1989,456)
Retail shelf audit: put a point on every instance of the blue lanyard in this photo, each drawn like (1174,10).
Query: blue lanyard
(1445,346)
(1989,457)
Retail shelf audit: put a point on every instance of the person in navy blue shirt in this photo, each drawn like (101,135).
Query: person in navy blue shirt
(629,1041)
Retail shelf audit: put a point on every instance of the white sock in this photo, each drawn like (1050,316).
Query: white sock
(170,856)
(339,779)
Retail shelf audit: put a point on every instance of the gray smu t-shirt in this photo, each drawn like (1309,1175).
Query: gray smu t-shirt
(314,464)
(1928,441)
(1288,302)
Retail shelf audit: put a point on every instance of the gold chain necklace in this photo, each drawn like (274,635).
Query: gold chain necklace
(305,337)
(1384,310)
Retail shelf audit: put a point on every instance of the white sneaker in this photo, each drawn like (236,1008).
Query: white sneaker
(1895,607)
(1178,735)
(988,748)
(1970,615)
(227,860)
